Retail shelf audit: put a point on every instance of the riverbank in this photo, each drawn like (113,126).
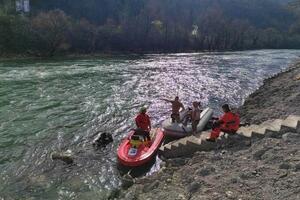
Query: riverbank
(278,97)
(105,54)
(266,169)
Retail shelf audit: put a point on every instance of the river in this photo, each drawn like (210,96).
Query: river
(58,105)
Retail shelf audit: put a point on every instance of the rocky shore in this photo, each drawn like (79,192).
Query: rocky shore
(267,168)
(278,97)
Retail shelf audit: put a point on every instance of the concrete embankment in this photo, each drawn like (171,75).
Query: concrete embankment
(267,168)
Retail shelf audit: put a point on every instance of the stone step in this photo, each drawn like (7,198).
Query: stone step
(195,141)
(293,117)
(168,147)
(189,145)
(185,142)
(273,125)
(203,135)
(291,121)
(245,131)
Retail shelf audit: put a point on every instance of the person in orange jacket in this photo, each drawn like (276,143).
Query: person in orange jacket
(143,124)
(228,123)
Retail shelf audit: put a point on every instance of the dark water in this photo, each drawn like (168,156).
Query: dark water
(59,105)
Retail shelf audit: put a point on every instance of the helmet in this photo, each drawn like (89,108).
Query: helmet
(143,110)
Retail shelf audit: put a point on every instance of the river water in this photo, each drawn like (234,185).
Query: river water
(58,105)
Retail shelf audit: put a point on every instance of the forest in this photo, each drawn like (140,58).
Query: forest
(60,27)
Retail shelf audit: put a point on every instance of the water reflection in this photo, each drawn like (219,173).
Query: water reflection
(59,105)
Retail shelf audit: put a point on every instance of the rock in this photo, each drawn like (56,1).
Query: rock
(274,135)
(181,197)
(130,196)
(176,162)
(113,194)
(205,171)
(290,137)
(127,181)
(193,187)
(162,170)
(297,78)
(283,175)
(248,143)
(75,183)
(163,164)
(65,157)
(245,175)
(169,180)
(258,154)
(285,166)
(234,180)
(230,195)
(297,167)
(151,186)
(39,180)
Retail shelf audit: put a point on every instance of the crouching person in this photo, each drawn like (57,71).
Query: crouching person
(228,123)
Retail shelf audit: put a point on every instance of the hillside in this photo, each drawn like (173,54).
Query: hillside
(93,26)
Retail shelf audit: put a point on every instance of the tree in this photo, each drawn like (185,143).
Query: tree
(83,36)
(50,32)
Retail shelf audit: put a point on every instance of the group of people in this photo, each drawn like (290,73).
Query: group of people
(192,115)
(228,123)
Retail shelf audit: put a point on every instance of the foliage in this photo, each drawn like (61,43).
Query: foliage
(49,31)
(148,25)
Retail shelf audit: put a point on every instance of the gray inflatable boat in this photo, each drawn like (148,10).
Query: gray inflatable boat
(178,130)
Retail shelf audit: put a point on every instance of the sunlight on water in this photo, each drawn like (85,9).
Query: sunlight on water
(59,105)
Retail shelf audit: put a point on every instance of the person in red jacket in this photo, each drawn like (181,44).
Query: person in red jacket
(228,123)
(143,124)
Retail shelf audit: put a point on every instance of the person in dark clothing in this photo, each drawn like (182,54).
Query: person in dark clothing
(103,139)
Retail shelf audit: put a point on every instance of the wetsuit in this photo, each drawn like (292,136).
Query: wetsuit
(229,123)
(143,124)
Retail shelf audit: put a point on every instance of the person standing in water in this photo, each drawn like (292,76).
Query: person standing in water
(143,124)
(196,113)
(176,105)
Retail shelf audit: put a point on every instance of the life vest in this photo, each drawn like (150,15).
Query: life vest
(143,121)
(135,141)
(230,121)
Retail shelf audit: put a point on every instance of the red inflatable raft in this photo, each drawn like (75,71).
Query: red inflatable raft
(133,156)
